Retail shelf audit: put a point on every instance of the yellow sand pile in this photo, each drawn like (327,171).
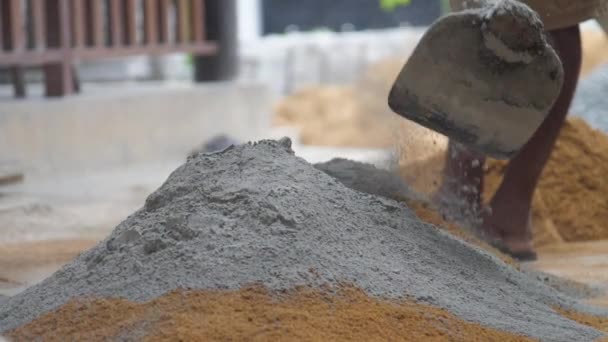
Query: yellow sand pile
(571,201)
(255,315)
(357,116)
(332,116)
(574,186)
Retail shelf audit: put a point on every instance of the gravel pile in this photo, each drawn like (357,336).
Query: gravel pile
(590,101)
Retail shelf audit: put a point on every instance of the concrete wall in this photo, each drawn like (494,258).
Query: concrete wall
(118,125)
(289,62)
(249,15)
(337,15)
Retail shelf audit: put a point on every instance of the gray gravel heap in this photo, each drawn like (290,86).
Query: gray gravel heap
(255,213)
(590,101)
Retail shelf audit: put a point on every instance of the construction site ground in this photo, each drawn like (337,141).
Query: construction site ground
(49,223)
(161,248)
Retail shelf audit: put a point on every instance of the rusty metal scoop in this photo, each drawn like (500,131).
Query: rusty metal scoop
(485,77)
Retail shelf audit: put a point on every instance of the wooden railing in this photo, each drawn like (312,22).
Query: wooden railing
(56,34)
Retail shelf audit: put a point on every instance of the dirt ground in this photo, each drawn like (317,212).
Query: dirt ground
(569,213)
(24,263)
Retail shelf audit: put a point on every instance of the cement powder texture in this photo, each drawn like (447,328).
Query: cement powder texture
(256,213)
(367,178)
(590,101)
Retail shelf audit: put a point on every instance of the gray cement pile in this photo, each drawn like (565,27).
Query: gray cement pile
(367,178)
(256,213)
(590,101)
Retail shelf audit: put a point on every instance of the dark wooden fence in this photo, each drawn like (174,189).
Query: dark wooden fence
(56,34)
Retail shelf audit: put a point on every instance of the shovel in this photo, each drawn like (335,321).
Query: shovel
(485,77)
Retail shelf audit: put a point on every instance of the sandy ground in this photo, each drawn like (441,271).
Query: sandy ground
(584,262)
(47,222)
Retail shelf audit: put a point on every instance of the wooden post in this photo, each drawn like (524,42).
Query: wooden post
(59,77)
(163,21)
(3,24)
(221,27)
(197,20)
(130,12)
(116,22)
(183,22)
(18,78)
(14,39)
(79,36)
(15,28)
(151,22)
(94,21)
(39,25)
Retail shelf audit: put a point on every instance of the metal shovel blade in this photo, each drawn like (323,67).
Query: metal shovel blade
(485,78)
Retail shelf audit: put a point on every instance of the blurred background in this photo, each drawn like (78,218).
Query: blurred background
(101,99)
